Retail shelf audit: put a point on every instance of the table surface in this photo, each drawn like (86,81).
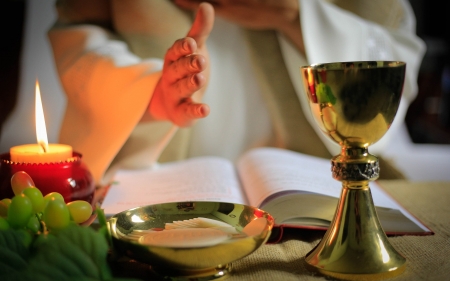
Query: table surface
(427,256)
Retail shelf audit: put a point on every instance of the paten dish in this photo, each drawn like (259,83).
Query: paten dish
(190,239)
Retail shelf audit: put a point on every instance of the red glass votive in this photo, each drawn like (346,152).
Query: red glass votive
(70,178)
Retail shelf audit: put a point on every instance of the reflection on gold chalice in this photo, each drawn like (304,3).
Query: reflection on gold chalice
(354,104)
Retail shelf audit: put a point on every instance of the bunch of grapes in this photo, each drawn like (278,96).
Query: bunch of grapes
(30,210)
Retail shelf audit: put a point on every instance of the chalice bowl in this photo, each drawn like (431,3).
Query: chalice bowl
(354,104)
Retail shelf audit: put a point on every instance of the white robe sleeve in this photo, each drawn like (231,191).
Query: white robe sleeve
(332,34)
(108,90)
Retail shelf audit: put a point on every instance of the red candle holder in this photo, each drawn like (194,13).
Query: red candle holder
(70,178)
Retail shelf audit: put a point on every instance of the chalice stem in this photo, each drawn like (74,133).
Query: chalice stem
(355,247)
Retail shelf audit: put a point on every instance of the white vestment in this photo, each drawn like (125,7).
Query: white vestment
(108,89)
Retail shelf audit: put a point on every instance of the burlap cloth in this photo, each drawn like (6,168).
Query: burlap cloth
(427,256)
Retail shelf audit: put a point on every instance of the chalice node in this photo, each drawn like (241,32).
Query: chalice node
(354,104)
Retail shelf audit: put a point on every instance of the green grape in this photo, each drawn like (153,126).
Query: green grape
(56,214)
(37,200)
(53,196)
(20,211)
(34,224)
(7,201)
(19,181)
(4,225)
(80,210)
(3,209)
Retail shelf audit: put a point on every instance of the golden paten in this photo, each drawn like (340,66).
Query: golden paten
(190,240)
(354,104)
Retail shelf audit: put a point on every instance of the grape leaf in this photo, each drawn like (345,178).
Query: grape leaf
(13,253)
(76,252)
(73,253)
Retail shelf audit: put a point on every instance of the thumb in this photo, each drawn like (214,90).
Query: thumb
(203,24)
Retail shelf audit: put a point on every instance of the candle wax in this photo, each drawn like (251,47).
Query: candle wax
(33,153)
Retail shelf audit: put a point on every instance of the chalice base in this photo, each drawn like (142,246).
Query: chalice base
(355,247)
(173,274)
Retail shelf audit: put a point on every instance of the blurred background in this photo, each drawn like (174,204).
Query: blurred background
(25,56)
(428,118)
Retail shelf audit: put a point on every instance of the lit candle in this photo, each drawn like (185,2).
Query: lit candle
(42,152)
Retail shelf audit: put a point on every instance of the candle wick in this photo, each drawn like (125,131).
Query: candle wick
(44,147)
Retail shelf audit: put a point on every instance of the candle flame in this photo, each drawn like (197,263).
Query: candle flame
(41,131)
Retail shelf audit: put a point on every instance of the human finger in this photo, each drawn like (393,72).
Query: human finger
(180,48)
(186,87)
(203,24)
(184,67)
(188,112)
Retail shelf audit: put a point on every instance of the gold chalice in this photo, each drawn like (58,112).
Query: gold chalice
(354,104)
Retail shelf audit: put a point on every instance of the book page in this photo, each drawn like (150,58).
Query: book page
(196,179)
(266,171)
(269,173)
(382,199)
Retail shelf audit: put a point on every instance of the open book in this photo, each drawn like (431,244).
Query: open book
(296,189)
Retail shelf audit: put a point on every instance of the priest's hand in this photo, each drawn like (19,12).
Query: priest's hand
(280,15)
(185,75)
